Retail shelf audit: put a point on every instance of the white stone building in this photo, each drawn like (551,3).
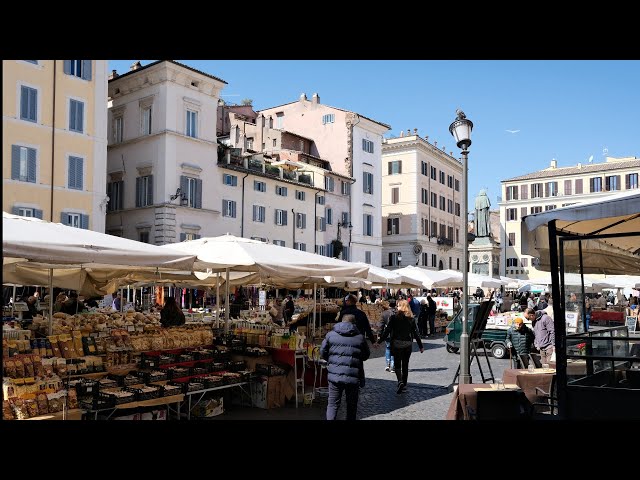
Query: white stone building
(161,138)
(551,188)
(421,205)
(351,143)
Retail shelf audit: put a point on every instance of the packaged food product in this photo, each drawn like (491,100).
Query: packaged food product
(32,408)
(56,403)
(49,348)
(8,388)
(10,368)
(72,398)
(7,410)
(28,366)
(43,403)
(20,409)
(19,368)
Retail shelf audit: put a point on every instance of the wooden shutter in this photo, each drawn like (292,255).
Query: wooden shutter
(150,190)
(284,217)
(399,166)
(79,173)
(508,195)
(71,180)
(111,204)
(64,218)
(546,189)
(567,187)
(523,192)
(578,186)
(138,191)
(197,236)
(15,210)
(31,165)
(80,116)
(198,193)
(15,162)
(627,181)
(183,237)
(86,70)
(24,102)
(233,209)
(67,67)
(523,211)
(617,182)
(591,184)
(84,221)
(72,115)
(390,167)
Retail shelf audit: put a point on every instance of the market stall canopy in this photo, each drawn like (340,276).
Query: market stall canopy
(429,278)
(615,214)
(379,277)
(512,283)
(274,263)
(37,240)
(473,280)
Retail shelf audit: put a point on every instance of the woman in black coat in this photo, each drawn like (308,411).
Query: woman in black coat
(402,328)
(171,315)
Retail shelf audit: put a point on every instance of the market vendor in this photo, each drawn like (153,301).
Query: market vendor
(277,311)
(171,315)
(72,305)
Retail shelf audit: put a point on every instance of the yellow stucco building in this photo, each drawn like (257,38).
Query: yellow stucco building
(54,149)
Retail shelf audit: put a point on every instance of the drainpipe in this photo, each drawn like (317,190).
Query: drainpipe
(353,181)
(242,208)
(53,138)
(293,214)
(315,207)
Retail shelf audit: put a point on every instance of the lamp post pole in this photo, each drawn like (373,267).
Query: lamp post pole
(461,131)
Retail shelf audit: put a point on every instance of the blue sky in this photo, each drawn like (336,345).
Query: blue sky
(564,109)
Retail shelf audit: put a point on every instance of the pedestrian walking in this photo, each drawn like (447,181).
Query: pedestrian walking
(432,315)
(389,309)
(344,348)
(520,338)
(401,329)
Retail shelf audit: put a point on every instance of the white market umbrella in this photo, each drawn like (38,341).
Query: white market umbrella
(378,277)
(473,280)
(429,278)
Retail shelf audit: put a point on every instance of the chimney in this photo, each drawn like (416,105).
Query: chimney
(554,163)
(114,74)
(435,143)
(135,66)
(315,99)
(579,165)
(402,133)
(415,131)
(303,97)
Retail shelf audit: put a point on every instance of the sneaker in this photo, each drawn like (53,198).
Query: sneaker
(392,371)
(386,369)
(404,388)
(400,387)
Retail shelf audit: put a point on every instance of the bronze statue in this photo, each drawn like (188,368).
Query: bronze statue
(483,225)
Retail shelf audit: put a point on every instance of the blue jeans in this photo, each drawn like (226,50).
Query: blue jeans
(335,397)
(387,354)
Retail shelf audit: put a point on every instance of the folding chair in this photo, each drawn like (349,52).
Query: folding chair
(550,399)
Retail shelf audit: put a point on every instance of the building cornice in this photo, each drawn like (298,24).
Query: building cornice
(417,143)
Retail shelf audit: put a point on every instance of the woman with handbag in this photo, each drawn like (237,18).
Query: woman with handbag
(402,329)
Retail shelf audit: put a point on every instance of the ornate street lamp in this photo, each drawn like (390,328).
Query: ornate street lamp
(461,131)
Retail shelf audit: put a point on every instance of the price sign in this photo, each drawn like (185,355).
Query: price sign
(631,323)
(262,298)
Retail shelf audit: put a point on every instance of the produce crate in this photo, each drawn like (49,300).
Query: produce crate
(153,376)
(199,371)
(188,386)
(169,390)
(211,381)
(177,372)
(230,378)
(216,367)
(235,365)
(203,354)
(84,386)
(107,383)
(125,380)
(149,361)
(185,357)
(148,392)
(126,396)
(99,401)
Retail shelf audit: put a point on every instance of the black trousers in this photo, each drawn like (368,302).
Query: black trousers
(401,359)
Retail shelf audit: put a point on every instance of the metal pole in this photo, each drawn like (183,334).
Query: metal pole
(465,377)
(218,302)
(13,301)
(315,305)
(226,304)
(51,300)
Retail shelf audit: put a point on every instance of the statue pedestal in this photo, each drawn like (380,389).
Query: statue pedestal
(484,257)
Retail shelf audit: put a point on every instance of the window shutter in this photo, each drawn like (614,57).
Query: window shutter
(64,218)
(15,162)
(523,192)
(224,208)
(72,173)
(183,237)
(79,173)
(111,205)
(33,104)
(86,70)
(627,181)
(84,222)
(591,184)
(284,217)
(31,165)
(388,226)
(24,102)
(138,191)
(617,182)
(254,213)
(80,116)
(67,67)
(72,115)
(523,211)
(578,186)
(234,181)
(546,189)
(275,217)
(304,220)
(233,209)
(15,210)
(197,236)
(390,167)
(400,166)
(150,190)
(198,199)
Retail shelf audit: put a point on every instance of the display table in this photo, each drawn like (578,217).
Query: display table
(201,393)
(529,381)
(74,414)
(154,402)
(466,395)
(606,318)
(296,359)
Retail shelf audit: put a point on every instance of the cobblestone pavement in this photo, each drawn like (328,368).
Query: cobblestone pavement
(427,396)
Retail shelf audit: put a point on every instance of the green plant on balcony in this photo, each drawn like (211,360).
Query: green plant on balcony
(271,170)
(304,178)
(255,165)
(288,175)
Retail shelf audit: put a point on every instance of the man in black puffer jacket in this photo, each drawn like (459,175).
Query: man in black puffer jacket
(344,348)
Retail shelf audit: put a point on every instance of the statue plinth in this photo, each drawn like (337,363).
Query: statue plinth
(484,257)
